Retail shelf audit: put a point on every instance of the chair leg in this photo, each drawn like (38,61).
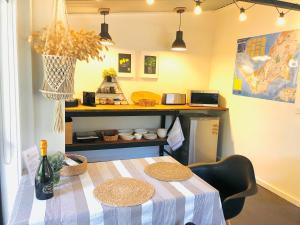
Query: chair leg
(228,222)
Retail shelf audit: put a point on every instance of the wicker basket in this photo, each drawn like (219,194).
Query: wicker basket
(146,102)
(68,171)
(109,135)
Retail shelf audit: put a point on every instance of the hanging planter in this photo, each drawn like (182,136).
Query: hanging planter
(60,48)
(59,77)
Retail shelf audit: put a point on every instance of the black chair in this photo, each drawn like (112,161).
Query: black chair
(233,177)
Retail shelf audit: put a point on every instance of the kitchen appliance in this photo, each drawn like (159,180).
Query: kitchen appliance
(173,99)
(71,103)
(89,98)
(201,139)
(204,98)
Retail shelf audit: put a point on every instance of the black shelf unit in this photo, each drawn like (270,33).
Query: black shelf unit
(124,111)
(101,145)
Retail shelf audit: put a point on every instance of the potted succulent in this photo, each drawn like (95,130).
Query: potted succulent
(109,74)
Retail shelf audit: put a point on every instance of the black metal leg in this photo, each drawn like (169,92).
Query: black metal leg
(161,150)
(162,125)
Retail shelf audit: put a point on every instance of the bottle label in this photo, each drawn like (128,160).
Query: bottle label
(48,189)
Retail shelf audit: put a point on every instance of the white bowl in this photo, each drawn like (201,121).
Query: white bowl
(125,131)
(150,136)
(126,137)
(151,131)
(138,136)
(162,132)
(141,131)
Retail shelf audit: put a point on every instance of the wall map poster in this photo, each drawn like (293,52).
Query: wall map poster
(267,66)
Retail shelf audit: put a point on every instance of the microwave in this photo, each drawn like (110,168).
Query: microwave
(204,98)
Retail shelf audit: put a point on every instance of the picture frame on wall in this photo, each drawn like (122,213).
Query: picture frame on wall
(150,65)
(126,64)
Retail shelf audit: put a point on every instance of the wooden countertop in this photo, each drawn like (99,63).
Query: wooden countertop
(99,108)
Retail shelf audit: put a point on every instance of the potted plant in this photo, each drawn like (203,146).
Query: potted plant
(150,64)
(109,74)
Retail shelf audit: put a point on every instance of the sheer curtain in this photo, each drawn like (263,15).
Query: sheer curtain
(9,107)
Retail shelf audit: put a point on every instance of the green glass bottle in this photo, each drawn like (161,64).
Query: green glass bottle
(44,176)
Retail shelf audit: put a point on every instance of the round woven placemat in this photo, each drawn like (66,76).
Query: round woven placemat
(124,192)
(167,171)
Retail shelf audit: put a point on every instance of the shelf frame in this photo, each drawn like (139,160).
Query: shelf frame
(131,110)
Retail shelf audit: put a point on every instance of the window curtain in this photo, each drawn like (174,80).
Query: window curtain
(9,107)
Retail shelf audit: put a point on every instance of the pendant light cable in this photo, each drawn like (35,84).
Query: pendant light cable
(234,1)
(284,13)
(180,21)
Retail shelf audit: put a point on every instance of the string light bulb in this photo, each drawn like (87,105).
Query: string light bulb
(150,2)
(243,15)
(280,20)
(198,8)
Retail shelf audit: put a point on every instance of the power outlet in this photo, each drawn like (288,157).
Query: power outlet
(298,110)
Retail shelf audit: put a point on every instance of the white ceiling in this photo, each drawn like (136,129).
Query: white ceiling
(129,6)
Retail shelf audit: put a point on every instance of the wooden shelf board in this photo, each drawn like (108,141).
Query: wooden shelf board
(100,145)
(83,108)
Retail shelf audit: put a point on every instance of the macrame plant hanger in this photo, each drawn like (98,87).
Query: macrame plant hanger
(59,69)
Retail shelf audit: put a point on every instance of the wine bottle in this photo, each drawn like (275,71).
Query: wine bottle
(44,175)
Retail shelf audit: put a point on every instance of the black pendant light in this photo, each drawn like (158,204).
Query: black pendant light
(179,44)
(105,38)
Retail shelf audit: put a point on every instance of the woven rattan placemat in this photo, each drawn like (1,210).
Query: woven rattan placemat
(167,171)
(124,192)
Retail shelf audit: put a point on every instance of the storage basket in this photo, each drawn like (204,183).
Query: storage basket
(67,171)
(108,135)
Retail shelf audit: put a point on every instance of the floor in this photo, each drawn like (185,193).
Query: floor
(266,208)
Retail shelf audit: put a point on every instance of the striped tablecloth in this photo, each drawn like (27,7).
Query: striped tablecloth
(73,203)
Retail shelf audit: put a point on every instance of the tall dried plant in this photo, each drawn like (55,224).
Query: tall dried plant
(57,40)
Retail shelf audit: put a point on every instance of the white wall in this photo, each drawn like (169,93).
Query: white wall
(265,131)
(153,32)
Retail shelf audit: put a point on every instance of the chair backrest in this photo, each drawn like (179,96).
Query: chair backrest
(233,177)
(234,174)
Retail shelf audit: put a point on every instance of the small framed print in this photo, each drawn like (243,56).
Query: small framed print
(150,65)
(126,64)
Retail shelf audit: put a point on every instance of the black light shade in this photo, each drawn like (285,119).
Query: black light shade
(179,44)
(105,38)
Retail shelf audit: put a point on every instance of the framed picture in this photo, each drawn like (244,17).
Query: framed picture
(126,64)
(150,65)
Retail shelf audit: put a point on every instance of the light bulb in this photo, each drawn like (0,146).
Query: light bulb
(178,49)
(198,8)
(280,20)
(243,15)
(150,2)
(106,43)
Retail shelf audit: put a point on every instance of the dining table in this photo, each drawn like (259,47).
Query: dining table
(173,203)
